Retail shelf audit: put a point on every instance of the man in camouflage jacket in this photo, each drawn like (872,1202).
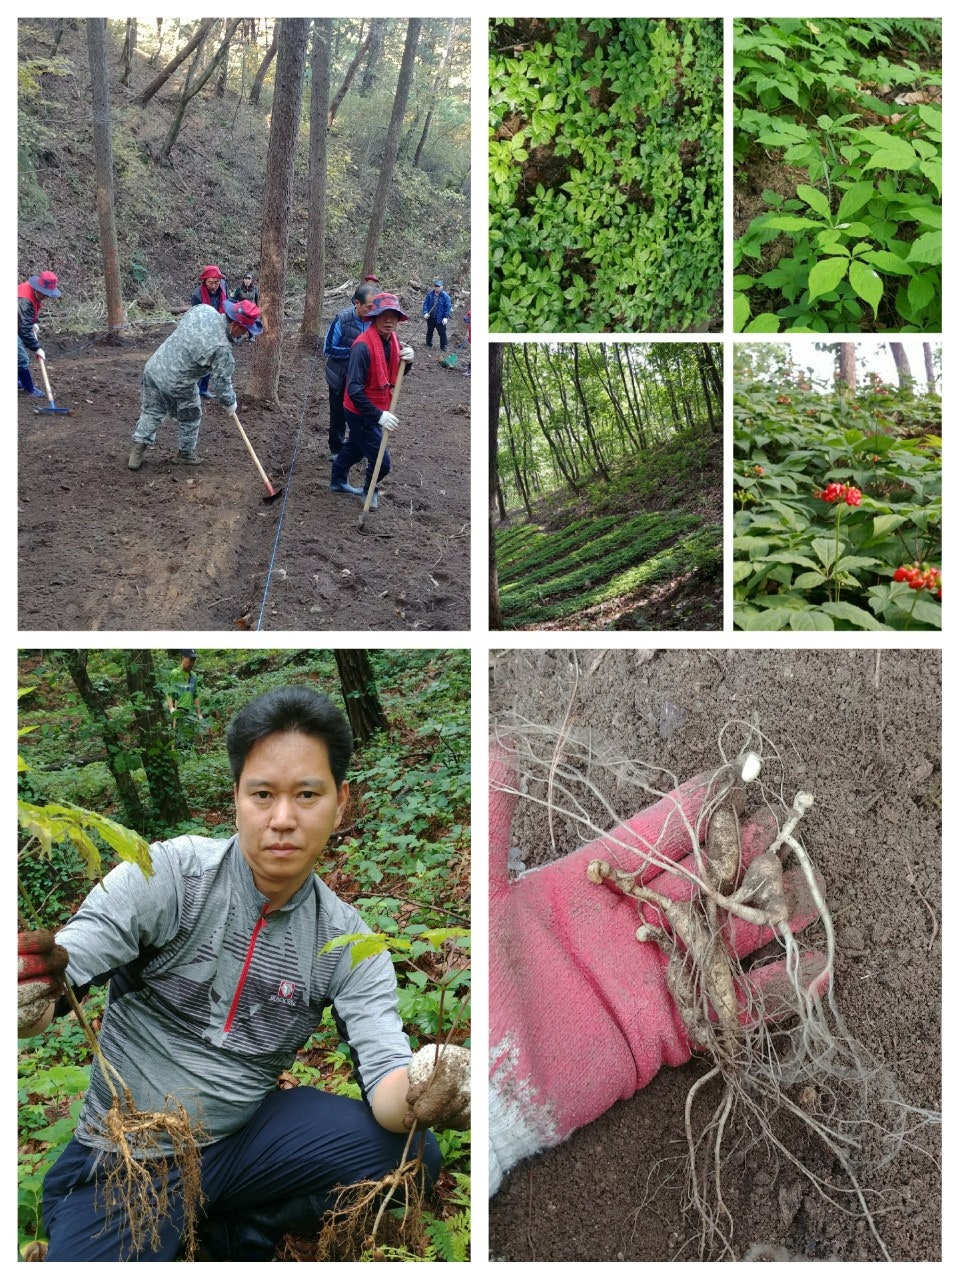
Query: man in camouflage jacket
(198,347)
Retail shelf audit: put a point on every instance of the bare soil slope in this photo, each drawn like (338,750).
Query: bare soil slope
(194,548)
(861,730)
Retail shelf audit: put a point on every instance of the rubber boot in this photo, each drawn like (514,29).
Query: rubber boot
(135,461)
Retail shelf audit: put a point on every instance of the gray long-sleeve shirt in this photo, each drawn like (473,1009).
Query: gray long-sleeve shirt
(210,998)
(199,346)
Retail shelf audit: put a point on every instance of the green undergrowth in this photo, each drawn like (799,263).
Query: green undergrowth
(545,576)
(849,237)
(606,156)
(805,564)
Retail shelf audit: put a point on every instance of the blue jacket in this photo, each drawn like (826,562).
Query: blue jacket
(345,327)
(442,308)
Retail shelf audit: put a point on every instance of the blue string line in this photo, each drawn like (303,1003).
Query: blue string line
(287,486)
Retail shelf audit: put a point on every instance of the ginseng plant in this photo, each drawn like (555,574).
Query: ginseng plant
(357,1229)
(145,1143)
(776,1052)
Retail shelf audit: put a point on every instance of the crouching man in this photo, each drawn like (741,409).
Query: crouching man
(217,977)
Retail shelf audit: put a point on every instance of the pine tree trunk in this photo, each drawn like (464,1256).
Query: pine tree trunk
(847,364)
(264,65)
(928,367)
(435,92)
(496,385)
(159,81)
(360,695)
(904,376)
(311,326)
(374,55)
(278,187)
(103,172)
(391,146)
(129,49)
(97,706)
(341,93)
(155,734)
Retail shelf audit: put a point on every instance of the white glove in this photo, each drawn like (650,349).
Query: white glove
(439,1095)
(39,353)
(444,320)
(406,353)
(388,420)
(36,331)
(231,408)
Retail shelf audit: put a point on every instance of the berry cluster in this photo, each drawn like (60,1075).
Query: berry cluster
(920,578)
(840,493)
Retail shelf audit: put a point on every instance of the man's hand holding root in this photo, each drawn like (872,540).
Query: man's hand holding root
(439,1093)
(41,966)
(623,957)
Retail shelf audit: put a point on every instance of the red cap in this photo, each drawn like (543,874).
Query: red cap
(212,273)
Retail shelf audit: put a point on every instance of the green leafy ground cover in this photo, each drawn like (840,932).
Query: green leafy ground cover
(402,858)
(606,157)
(595,551)
(839,121)
(804,564)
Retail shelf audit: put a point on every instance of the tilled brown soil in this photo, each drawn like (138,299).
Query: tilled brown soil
(191,548)
(861,730)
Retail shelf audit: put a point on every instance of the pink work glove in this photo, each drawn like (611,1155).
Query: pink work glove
(580,1013)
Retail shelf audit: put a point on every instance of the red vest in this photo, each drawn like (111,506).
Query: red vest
(25,290)
(382,376)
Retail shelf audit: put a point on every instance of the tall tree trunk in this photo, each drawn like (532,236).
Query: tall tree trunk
(928,367)
(716,425)
(847,364)
(275,233)
(98,708)
(359,687)
(496,385)
(716,381)
(587,421)
(159,81)
(391,146)
(562,465)
(265,65)
(341,93)
(311,326)
(374,56)
(157,750)
(129,49)
(435,92)
(904,376)
(193,85)
(103,171)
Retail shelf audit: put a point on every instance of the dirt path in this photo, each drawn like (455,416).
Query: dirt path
(861,730)
(189,548)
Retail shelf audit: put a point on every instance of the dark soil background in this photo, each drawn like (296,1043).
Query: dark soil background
(859,728)
(172,547)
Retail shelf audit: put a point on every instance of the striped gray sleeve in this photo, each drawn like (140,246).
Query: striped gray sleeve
(128,912)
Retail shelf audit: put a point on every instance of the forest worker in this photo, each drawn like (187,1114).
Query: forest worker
(30,296)
(183,701)
(345,327)
(217,978)
(436,311)
(199,345)
(246,290)
(210,292)
(571,984)
(372,373)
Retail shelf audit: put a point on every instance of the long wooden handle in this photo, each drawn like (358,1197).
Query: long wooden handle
(263,475)
(383,447)
(46,380)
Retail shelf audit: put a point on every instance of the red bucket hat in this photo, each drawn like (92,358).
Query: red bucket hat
(386,302)
(245,313)
(212,273)
(46,283)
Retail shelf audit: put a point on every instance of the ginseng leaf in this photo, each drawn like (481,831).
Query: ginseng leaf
(826,275)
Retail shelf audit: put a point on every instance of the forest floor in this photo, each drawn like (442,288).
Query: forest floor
(640,553)
(192,548)
(860,729)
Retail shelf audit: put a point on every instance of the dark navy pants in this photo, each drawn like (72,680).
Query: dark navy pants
(363,441)
(278,1173)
